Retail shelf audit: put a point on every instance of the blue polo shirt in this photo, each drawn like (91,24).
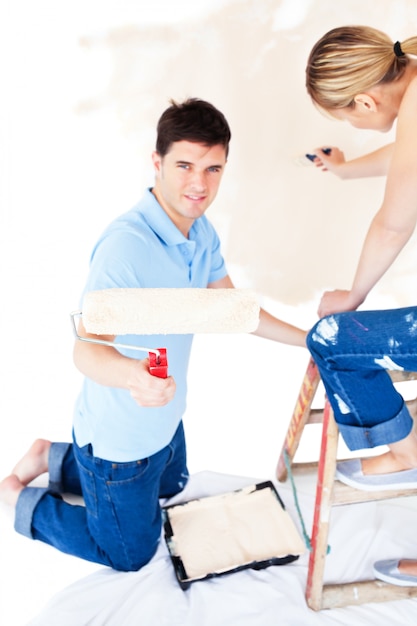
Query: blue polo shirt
(143,248)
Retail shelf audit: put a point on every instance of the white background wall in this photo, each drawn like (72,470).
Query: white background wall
(84,83)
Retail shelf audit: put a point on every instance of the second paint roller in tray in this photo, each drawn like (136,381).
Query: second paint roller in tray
(165,311)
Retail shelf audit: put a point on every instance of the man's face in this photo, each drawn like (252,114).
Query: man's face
(187,179)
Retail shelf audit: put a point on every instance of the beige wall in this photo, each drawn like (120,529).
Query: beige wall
(289,231)
(87,83)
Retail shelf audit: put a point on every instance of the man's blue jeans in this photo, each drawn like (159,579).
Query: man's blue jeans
(120,524)
(353,352)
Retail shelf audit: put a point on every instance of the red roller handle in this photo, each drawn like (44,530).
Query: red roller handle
(158,363)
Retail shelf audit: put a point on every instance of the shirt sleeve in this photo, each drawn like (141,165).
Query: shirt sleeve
(118,260)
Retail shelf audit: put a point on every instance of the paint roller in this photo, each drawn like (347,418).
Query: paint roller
(156,311)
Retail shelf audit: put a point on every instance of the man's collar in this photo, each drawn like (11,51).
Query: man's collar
(159,221)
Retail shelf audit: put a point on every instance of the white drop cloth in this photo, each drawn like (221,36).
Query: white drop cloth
(359,535)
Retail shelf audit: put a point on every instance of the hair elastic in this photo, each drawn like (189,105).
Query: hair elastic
(397,50)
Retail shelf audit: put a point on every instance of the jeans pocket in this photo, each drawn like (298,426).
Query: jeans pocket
(120,473)
(88,486)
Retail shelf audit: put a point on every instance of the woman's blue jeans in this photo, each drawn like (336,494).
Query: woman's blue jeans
(353,352)
(120,524)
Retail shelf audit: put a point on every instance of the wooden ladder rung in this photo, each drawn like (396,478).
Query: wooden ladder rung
(361,592)
(343,494)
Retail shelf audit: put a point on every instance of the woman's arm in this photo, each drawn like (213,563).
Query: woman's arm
(374,163)
(395,221)
(270,327)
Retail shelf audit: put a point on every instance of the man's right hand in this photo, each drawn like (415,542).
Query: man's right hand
(148,390)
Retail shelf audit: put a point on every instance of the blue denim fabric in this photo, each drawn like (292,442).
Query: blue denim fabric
(120,524)
(353,352)
(64,476)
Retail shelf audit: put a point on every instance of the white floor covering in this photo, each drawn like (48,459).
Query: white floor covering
(359,535)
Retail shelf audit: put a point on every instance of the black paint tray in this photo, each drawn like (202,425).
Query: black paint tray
(217,535)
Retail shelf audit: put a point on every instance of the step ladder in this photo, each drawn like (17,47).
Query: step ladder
(331,492)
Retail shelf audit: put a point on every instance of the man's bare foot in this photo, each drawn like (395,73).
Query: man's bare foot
(10,489)
(402,455)
(408,567)
(34,462)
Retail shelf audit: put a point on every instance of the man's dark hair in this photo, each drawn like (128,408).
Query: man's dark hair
(192,120)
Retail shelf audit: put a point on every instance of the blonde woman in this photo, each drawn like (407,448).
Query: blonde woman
(358,75)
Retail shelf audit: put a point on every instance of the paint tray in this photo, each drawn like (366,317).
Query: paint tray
(217,535)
